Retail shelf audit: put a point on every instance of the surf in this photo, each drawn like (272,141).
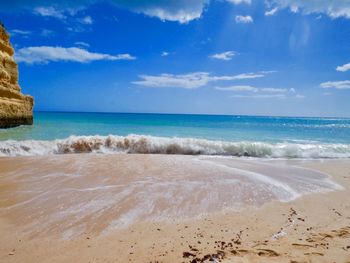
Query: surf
(144,144)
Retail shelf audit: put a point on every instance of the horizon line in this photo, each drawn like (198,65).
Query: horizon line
(199,114)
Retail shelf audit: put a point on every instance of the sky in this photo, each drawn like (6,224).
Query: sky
(241,57)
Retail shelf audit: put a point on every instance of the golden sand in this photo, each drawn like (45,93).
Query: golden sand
(311,228)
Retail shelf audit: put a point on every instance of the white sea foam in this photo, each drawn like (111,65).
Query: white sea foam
(163,145)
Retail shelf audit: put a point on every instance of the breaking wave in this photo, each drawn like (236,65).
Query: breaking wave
(162,145)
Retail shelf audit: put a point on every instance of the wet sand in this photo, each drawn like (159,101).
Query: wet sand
(155,208)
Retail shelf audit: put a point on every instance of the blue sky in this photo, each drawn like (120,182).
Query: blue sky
(275,57)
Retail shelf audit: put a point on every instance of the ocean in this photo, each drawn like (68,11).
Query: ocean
(199,165)
(251,136)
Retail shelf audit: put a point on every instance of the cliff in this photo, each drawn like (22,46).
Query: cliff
(15,108)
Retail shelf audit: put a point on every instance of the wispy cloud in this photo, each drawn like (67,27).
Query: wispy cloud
(46,32)
(50,11)
(164,54)
(247,76)
(268,71)
(247,91)
(271,12)
(238,88)
(82,44)
(334,8)
(236,2)
(19,32)
(87,20)
(267,96)
(274,90)
(181,11)
(248,88)
(260,96)
(228,55)
(244,19)
(70,14)
(46,54)
(345,84)
(343,68)
(27,33)
(188,81)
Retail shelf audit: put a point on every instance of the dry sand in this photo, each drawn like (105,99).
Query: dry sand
(313,228)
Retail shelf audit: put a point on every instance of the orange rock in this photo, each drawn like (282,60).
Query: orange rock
(15,108)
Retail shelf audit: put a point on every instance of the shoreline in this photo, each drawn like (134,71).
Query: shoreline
(148,144)
(270,233)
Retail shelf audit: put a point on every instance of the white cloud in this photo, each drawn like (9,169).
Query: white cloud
(247,88)
(228,55)
(247,76)
(271,12)
(238,88)
(262,93)
(26,33)
(345,84)
(87,20)
(45,54)
(50,11)
(244,19)
(164,54)
(19,32)
(236,2)
(343,68)
(268,71)
(334,8)
(182,11)
(188,81)
(261,96)
(273,90)
(46,32)
(82,44)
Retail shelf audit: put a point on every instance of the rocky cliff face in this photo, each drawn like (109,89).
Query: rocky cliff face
(15,108)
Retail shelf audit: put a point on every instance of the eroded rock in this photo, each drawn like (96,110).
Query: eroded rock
(15,108)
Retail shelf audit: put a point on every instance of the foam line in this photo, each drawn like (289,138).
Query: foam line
(163,145)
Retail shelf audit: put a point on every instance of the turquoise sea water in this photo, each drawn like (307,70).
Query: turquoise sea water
(170,129)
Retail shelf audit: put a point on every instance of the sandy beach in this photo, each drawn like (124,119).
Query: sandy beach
(175,131)
(41,221)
